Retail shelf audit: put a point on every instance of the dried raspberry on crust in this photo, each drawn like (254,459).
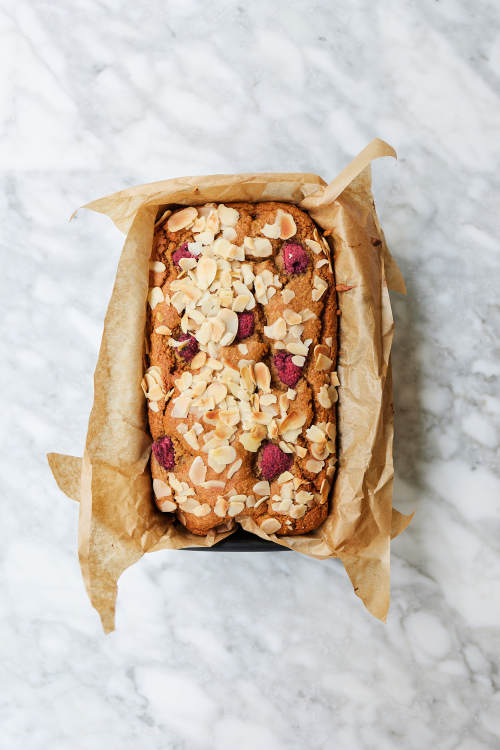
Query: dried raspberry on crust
(295,258)
(164,452)
(288,372)
(246,325)
(181,252)
(273,461)
(188,351)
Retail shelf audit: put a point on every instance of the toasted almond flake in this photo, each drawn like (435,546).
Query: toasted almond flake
(320,451)
(234,468)
(220,507)
(181,407)
(205,271)
(307,315)
(155,297)
(262,376)
(321,263)
(250,442)
(250,501)
(266,399)
(297,511)
(291,394)
(258,247)
(324,397)
(236,507)
(286,490)
(334,396)
(163,330)
(323,363)
(188,504)
(270,525)
(166,506)
(161,488)
(287,226)
(298,360)
(240,303)
(301,451)
(297,347)
(284,447)
(259,502)
(164,216)
(293,421)
(286,476)
(217,391)
(198,360)
(262,488)
(316,435)
(157,266)
(229,234)
(334,378)
(291,317)
(191,439)
(287,295)
(212,484)
(228,216)
(302,496)
(224,454)
(325,488)
(314,246)
(331,431)
(243,348)
(197,471)
(153,405)
(314,466)
(202,510)
(182,219)
(195,248)
(277,330)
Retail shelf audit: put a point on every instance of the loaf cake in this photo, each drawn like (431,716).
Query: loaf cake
(240,381)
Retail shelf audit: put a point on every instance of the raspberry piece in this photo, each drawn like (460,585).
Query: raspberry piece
(163,450)
(273,461)
(187,352)
(181,252)
(295,258)
(288,373)
(245,325)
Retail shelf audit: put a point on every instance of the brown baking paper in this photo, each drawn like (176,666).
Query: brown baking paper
(119,521)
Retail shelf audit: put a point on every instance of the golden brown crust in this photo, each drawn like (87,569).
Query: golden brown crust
(198,505)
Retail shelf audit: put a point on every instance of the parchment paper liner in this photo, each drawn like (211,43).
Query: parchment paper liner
(118,519)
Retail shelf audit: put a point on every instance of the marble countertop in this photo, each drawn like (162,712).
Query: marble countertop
(260,650)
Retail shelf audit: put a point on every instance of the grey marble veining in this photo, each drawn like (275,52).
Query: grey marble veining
(253,650)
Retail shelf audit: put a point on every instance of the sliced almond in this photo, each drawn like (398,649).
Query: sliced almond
(220,507)
(202,510)
(262,376)
(197,471)
(277,330)
(297,511)
(334,378)
(161,488)
(191,439)
(166,506)
(297,347)
(314,246)
(314,466)
(262,488)
(155,297)
(163,330)
(323,362)
(182,219)
(236,507)
(260,247)
(301,451)
(291,317)
(316,435)
(324,397)
(250,442)
(157,266)
(234,468)
(286,476)
(320,451)
(287,226)
(298,360)
(198,360)
(287,295)
(205,271)
(224,454)
(304,497)
(228,216)
(270,525)
(216,390)
(285,447)
(229,233)
(212,484)
(331,430)
(321,263)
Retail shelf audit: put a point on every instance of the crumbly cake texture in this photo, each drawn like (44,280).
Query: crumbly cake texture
(241,344)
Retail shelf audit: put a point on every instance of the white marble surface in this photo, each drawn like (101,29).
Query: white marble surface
(265,651)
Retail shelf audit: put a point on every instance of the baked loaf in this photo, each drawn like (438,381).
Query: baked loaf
(241,344)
